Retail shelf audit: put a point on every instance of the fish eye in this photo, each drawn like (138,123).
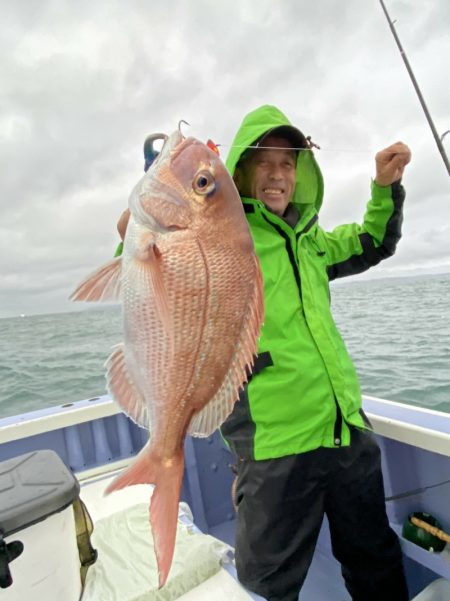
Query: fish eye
(204,183)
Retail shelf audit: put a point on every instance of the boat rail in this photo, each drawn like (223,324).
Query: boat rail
(425,428)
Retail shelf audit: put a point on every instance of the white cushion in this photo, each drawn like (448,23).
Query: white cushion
(126,566)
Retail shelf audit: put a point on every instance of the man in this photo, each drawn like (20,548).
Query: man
(298,429)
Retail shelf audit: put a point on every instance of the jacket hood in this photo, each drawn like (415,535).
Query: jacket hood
(309,181)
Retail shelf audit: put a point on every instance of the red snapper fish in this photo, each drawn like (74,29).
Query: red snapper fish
(192,303)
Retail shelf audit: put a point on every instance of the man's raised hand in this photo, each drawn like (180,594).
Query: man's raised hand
(390,163)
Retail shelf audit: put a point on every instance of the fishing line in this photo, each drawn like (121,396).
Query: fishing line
(417,491)
(301,149)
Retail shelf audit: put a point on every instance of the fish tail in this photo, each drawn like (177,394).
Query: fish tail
(167,475)
(142,471)
(164,512)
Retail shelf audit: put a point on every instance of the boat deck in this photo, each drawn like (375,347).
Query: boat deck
(95,440)
(323,583)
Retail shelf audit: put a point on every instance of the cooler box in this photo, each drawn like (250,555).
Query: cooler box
(36,495)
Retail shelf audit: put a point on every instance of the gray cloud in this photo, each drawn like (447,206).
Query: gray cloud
(84,83)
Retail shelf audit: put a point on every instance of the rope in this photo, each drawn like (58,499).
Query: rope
(417,491)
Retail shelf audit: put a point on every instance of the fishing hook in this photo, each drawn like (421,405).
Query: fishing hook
(179,125)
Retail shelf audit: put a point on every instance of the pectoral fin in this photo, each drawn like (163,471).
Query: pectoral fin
(102,285)
(149,262)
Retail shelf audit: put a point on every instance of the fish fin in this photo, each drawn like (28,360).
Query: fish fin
(123,389)
(142,471)
(208,419)
(102,285)
(149,263)
(167,476)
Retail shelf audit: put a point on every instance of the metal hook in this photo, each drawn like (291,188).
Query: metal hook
(179,125)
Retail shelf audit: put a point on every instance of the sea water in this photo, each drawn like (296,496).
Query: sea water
(396,330)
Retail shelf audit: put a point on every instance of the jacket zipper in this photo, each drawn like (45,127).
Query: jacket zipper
(338,423)
(290,252)
(308,226)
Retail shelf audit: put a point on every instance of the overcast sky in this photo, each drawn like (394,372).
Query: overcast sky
(83,83)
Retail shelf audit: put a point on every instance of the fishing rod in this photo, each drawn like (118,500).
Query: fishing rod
(419,94)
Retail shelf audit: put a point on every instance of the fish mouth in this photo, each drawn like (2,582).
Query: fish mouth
(182,145)
(171,144)
(175,144)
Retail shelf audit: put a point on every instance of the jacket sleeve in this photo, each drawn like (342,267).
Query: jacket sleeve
(353,248)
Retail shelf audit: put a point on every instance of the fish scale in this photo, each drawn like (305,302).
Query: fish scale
(192,303)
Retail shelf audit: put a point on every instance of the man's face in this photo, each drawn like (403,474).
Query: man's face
(268,174)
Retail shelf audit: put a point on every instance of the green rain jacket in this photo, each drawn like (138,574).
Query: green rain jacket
(304,392)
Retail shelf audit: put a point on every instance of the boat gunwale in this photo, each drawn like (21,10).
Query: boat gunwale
(391,419)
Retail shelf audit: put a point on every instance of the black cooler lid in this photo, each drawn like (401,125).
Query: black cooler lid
(33,487)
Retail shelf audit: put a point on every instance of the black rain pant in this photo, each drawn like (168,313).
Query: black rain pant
(281,504)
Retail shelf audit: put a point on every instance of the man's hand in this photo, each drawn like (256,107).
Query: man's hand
(390,163)
(123,223)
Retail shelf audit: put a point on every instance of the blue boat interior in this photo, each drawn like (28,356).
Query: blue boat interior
(415,480)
